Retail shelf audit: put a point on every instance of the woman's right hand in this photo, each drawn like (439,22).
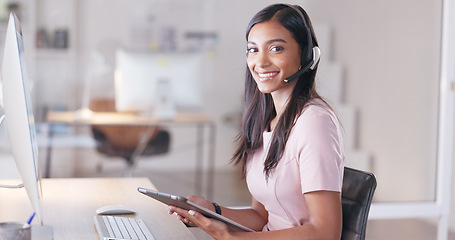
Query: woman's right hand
(201,201)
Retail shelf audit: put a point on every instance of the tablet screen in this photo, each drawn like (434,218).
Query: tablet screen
(184,203)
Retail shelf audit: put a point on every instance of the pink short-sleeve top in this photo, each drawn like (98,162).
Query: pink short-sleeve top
(313,160)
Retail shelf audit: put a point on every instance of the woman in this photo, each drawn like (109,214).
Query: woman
(290,146)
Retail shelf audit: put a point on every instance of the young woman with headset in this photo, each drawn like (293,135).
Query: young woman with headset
(290,146)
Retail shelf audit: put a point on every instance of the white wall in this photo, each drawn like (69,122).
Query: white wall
(391,54)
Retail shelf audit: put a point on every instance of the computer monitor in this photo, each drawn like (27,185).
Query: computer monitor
(159,83)
(19,113)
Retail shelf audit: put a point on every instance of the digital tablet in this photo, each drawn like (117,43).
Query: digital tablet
(184,203)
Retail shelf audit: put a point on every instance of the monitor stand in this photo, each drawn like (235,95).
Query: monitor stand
(165,108)
(45,232)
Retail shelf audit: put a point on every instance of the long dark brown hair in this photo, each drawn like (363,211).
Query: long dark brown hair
(259,109)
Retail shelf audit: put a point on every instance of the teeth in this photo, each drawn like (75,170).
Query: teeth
(264,75)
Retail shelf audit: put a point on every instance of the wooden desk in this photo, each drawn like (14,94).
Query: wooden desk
(198,121)
(69,206)
(120,118)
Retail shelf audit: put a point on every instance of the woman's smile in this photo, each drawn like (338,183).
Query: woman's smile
(265,76)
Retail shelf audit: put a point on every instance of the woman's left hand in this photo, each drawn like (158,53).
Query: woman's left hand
(215,228)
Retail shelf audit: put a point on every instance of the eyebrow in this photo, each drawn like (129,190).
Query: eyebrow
(269,41)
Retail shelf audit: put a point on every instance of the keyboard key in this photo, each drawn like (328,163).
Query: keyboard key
(121,227)
(138,230)
(114,226)
(129,227)
(145,230)
(108,226)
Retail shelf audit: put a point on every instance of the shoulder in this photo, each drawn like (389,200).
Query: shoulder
(316,114)
(317,126)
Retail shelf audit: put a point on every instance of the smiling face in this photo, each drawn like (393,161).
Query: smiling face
(273,55)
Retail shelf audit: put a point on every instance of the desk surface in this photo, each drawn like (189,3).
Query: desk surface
(69,206)
(118,118)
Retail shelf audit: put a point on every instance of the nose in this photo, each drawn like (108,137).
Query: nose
(263,60)
(259,59)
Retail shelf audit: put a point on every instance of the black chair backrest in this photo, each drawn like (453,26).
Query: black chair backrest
(357,193)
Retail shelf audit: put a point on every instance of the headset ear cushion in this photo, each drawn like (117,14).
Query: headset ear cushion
(316,57)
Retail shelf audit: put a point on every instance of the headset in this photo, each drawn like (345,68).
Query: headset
(314,54)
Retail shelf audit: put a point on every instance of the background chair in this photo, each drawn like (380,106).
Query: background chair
(127,142)
(357,193)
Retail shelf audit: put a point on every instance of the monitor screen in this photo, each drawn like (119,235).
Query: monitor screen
(156,83)
(19,113)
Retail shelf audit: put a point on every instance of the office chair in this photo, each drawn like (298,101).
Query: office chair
(127,142)
(356,195)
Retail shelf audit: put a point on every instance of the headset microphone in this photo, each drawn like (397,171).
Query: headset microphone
(296,75)
(311,65)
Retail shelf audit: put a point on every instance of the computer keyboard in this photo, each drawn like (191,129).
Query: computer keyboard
(121,228)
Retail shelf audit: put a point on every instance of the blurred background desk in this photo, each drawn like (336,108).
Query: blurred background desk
(120,118)
(205,147)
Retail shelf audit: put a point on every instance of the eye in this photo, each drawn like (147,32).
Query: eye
(251,50)
(276,49)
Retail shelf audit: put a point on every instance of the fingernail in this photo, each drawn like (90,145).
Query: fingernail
(191,212)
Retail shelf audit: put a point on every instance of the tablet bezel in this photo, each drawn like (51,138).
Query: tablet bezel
(184,203)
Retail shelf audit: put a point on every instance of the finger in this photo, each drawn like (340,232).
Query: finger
(197,218)
(189,215)
(174,209)
(189,223)
(178,211)
(211,226)
(171,209)
(181,215)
